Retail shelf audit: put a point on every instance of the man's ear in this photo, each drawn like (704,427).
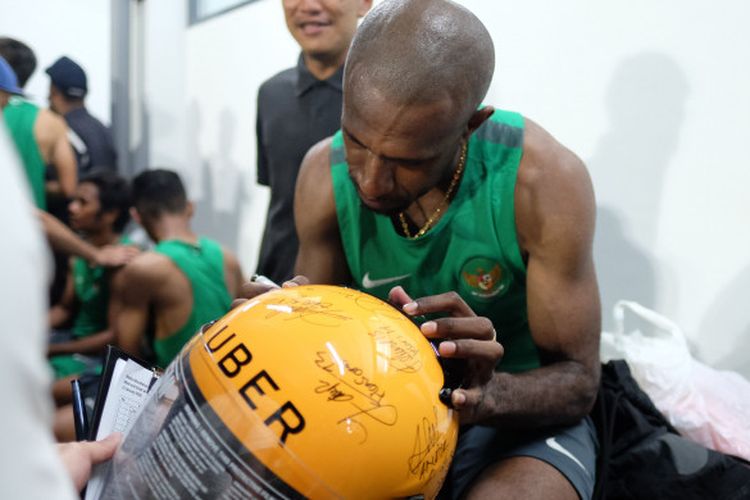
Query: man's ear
(364,7)
(478,118)
(110,216)
(190,209)
(135,216)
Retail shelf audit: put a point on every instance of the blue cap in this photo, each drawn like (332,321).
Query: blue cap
(69,77)
(8,80)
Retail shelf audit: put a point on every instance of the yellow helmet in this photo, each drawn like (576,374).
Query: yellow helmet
(317,391)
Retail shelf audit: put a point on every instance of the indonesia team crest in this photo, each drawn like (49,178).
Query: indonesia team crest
(484,278)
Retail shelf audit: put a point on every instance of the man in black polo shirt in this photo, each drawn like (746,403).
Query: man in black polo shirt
(297,108)
(91,140)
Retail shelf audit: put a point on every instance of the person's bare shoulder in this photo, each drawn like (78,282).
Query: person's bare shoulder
(553,187)
(314,203)
(48,129)
(49,125)
(316,165)
(144,273)
(314,186)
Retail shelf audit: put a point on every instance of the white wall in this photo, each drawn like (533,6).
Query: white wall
(652,95)
(79,29)
(201,85)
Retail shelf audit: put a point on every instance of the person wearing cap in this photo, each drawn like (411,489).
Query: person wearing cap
(40,136)
(8,83)
(91,139)
(297,108)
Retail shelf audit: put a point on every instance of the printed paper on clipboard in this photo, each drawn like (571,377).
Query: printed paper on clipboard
(126,382)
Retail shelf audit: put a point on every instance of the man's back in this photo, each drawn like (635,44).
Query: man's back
(92,142)
(184,285)
(21,117)
(41,139)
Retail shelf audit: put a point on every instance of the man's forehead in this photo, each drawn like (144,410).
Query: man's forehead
(88,189)
(373,110)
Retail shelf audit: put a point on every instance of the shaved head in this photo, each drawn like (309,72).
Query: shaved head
(418,51)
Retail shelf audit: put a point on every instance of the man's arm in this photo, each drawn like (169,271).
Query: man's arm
(132,293)
(51,133)
(61,312)
(232,274)
(95,343)
(555,216)
(91,344)
(321,256)
(62,239)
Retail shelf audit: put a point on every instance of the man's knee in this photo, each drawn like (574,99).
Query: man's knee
(521,477)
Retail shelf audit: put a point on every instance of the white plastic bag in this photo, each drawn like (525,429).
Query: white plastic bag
(709,406)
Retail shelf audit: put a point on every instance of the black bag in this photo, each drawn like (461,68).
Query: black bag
(641,456)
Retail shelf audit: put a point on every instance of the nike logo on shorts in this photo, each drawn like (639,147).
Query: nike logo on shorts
(552,443)
(370,283)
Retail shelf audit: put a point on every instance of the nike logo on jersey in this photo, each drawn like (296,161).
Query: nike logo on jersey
(370,283)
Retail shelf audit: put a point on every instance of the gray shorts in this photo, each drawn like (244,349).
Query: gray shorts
(571,450)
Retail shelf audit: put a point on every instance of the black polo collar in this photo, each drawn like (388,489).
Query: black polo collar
(306,80)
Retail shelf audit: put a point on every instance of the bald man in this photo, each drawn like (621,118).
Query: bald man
(477,217)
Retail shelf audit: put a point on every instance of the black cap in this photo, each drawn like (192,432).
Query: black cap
(69,77)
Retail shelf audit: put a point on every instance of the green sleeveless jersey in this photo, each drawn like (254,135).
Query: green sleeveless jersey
(203,265)
(472,249)
(20,116)
(91,285)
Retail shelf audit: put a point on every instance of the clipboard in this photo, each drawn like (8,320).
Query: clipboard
(115,361)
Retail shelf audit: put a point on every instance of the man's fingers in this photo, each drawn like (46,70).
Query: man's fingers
(398,297)
(251,289)
(298,280)
(481,351)
(449,302)
(113,256)
(237,302)
(464,399)
(132,250)
(475,327)
(99,451)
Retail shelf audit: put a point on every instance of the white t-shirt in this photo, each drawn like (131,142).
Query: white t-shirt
(29,464)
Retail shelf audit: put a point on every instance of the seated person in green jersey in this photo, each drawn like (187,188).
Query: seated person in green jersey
(99,212)
(185,282)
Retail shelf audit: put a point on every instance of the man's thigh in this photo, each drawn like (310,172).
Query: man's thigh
(525,478)
(568,453)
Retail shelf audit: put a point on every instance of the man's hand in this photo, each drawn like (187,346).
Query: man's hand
(464,335)
(115,255)
(252,289)
(80,457)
